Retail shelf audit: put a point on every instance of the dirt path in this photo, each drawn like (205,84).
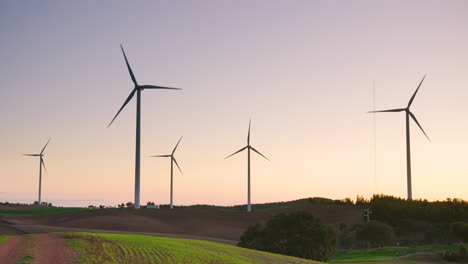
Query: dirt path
(13,250)
(51,249)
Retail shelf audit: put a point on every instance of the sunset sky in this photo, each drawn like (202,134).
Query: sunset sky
(302,70)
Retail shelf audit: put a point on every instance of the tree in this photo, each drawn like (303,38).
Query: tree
(298,234)
(460,231)
(129,205)
(376,233)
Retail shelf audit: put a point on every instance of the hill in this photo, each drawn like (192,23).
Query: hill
(205,222)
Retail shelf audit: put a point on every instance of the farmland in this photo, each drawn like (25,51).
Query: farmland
(112,248)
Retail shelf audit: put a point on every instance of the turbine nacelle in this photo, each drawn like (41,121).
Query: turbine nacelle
(137,87)
(407,109)
(173,159)
(248,147)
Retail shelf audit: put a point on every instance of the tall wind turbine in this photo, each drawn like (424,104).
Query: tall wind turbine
(41,164)
(137,89)
(408,114)
(173,160)
(248,147)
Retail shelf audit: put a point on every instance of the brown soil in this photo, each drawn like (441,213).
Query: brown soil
(51,249)
(13,250)
(185,221)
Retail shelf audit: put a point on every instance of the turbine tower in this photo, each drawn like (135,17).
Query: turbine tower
(248,147)
(41,164)
(173,160)
(408,114)
(137,89)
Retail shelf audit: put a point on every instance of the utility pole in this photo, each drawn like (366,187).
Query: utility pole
(367,213)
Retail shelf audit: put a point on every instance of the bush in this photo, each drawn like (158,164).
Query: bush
(377,233)
(298,234)
(460,231)
(460,255)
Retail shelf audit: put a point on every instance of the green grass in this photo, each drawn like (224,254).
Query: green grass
(3,239)
(42,211)
(380,254)
(28,259)
(121,249)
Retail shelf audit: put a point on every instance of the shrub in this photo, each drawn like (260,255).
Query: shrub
(298,234)
(460,255)
(377,233)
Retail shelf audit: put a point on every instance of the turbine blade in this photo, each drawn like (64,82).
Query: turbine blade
(43,164)
(259,153)
(161,156)
(158,87)
(33,155)
(45,145)
(390,110)
(128,66)
(236,152)
(125,103)
(415,120)
(176,146)
(414,95)
(175,161)
(248,135)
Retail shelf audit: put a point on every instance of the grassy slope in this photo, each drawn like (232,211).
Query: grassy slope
(42,211)
(3,239)
(112,248)
(379,254)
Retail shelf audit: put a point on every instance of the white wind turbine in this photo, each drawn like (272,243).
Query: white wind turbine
(41,164)
(173,160)
(248,147)
(408,114)
(137,89)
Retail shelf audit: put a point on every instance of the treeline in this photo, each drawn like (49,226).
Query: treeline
(419,221)
(393,210)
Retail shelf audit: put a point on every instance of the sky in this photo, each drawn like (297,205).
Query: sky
(302,71)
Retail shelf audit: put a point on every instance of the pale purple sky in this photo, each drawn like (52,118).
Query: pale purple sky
(302,70)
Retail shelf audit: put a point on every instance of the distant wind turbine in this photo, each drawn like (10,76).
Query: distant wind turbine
(41,164)
(137,89)
(173,160)
(248,147)
(408,150)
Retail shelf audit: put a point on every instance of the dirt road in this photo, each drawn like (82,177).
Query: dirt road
(40,248)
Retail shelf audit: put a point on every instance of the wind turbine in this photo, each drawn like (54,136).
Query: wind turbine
(137,89)
(248,147)
(408,114)
(173,160)
(41,164)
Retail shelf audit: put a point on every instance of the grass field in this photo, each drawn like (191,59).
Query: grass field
(112,248)
(379,254)
(3,239)
(42,211)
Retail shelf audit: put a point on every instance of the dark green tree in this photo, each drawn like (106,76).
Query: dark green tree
(298,234)
(376,233)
